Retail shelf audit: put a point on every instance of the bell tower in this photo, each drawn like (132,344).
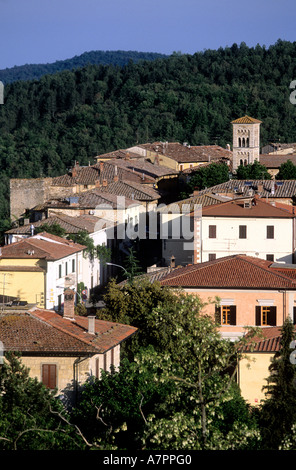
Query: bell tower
(246,141)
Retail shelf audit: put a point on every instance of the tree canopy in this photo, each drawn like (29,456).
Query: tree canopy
(177,391)
(255,171)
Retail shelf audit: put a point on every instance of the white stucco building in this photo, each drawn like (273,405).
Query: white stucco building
(248,226)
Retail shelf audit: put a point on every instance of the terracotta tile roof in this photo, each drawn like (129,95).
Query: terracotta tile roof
(41,246)
(91,199)
(189,154)
(246,120)
(110,169)
(68,223)
(231,272)
(204,200)
(275,161)
(153,276)
(131,190)
(41,331)
(85,175)
(265,188)
(267,342)
(107,334)
(120,153)
(258,209)
(141,167)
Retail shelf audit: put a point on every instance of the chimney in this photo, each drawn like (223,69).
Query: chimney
(97,184)
(74,170)
(91,324)
(69,296)
(101,167)
(105,183)
(173,261)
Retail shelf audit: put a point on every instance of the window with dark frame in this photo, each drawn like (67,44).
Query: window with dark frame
(226,314)
(265,315)
(270,257)
(212,256)
(49,375)
(269,231)
(242,231)
(212,231)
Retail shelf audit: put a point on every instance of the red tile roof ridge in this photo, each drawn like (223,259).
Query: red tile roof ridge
(43,243)
(78,328)
(261,264)
(267,341)
(274,207)
(52,318)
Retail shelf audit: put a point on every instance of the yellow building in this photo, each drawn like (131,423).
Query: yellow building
(253,369)
(180,157)
(36,270)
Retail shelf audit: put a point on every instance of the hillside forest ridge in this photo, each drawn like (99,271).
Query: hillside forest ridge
(74,115)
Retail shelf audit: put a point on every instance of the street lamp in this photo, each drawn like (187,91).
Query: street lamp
(119,266)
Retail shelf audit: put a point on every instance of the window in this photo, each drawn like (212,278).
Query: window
(60,271)
(265,315)
(73,265)
(212,256)
(59,302)
(270,257)
(270,231)
(242,231)
(66,268)
(49,375)
(226,314)
(212,231)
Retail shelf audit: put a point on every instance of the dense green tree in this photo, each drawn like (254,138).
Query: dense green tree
(173,396)
(287,171)
(54,229)
(132,304)
(31,418)
(255,171)
(93,251)
(132,265)
(278,412)
(207,176)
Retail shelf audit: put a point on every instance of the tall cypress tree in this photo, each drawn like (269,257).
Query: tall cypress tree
(278,412)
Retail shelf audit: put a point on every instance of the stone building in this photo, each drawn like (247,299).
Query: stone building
(246,141)
(63,351)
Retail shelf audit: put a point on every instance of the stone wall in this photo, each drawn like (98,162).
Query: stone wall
(26,194)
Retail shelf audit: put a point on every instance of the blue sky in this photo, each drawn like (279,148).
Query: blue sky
(42,31)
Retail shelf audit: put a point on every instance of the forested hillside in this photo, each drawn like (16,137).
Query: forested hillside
(36,71)
(49,123)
